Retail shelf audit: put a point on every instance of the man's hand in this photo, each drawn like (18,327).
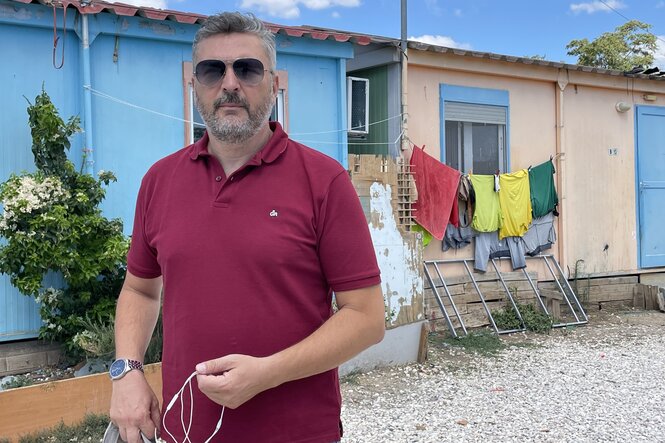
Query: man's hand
(234,379)
(134,407)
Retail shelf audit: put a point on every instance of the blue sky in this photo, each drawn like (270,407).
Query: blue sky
(512,27)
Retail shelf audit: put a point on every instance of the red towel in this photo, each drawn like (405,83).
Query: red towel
(437,193)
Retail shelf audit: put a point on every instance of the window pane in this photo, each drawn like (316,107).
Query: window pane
(358,111)
(485,148)
(453,144)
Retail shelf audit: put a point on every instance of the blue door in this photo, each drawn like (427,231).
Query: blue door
(651,185)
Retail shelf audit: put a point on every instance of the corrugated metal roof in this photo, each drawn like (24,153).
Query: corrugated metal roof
(526,60)
(97,7)
(316,33)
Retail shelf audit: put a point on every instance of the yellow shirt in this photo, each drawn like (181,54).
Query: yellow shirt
(515,201)
(487,213)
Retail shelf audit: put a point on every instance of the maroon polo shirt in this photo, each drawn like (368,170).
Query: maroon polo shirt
(249,264)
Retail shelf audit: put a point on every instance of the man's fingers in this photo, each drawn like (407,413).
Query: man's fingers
(131,435)
(216,366)
(208,382)
(155,415)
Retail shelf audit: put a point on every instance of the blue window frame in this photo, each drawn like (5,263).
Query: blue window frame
(474,128)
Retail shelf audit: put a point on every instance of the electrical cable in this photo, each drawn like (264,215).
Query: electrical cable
(161,114)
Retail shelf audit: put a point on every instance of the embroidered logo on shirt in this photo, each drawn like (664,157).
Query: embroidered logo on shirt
(273,213)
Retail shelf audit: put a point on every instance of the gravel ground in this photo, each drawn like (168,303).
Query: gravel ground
(604,382)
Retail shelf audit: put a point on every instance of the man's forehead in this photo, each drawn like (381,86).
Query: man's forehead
(230,46)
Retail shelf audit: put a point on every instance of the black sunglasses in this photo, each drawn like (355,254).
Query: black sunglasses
(247,70)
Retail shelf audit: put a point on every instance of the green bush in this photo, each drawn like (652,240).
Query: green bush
(52,223)
(534,319)
(97,340)
(91,428)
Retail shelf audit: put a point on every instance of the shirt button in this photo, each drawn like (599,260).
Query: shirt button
(218,178)
(232,178)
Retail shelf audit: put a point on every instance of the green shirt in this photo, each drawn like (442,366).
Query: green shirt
(543,192)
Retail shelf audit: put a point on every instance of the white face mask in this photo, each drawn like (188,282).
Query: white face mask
(112,434)
(187,428)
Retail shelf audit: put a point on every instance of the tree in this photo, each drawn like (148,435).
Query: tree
(631,44)
(51,222)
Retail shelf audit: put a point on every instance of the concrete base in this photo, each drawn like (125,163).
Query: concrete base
(25,356)
(655,279)
(399,346)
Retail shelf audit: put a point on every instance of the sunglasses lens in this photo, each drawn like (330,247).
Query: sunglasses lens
(248,70)
(210,72)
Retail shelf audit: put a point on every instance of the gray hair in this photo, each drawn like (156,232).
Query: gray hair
(230,22)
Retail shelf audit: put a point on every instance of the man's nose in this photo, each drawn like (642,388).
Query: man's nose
(230,81)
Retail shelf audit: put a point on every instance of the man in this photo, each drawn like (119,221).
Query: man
(249,233)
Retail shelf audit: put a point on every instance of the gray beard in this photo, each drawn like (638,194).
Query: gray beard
(233,131)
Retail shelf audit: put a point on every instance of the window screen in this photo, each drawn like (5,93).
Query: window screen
(475,137)
(358,99)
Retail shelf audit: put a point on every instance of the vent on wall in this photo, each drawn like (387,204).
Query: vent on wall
(357,90)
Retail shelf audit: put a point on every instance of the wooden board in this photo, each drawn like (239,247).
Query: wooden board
(489,276)
(35,408)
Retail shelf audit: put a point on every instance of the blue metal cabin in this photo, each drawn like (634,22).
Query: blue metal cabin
(126,73)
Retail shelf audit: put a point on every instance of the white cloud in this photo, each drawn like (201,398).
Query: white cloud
(159,4)
(596,5)
(441,40)
(291,8)
(335,14)
(659,55)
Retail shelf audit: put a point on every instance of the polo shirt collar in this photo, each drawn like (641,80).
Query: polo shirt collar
(269,153)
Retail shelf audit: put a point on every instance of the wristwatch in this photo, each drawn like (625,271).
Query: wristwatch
(122,366)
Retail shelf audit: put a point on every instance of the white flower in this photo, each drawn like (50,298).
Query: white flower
(31,194)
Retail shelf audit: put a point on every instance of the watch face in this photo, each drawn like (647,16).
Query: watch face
(117,368)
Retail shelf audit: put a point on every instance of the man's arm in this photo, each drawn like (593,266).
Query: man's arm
(134,405)
(358,324)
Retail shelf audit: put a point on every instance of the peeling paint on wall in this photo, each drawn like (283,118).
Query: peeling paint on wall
(399,260)
(157,28)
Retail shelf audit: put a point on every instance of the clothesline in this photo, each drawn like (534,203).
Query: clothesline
(508,210)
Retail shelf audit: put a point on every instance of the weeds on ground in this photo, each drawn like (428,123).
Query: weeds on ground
(18,381)
(480,342)
(352,377)
(534,319)
(91,429)
(5,440)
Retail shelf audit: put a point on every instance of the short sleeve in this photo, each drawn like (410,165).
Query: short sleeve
(346,251)
(142,258)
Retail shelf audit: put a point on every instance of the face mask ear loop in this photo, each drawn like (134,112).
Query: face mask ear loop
(172,402)
(191,412)
(218,427)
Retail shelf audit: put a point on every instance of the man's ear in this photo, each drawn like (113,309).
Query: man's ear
(275,84)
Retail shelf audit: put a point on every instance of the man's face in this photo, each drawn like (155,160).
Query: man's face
(233,110)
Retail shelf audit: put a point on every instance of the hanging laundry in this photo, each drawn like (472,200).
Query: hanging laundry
(543,192)
(426,236)
(488,245)
(459,236)
(487,212)
(437,193)
(541,235)
(467,196)
(515,202)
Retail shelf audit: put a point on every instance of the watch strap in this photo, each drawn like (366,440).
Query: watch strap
(134,364)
